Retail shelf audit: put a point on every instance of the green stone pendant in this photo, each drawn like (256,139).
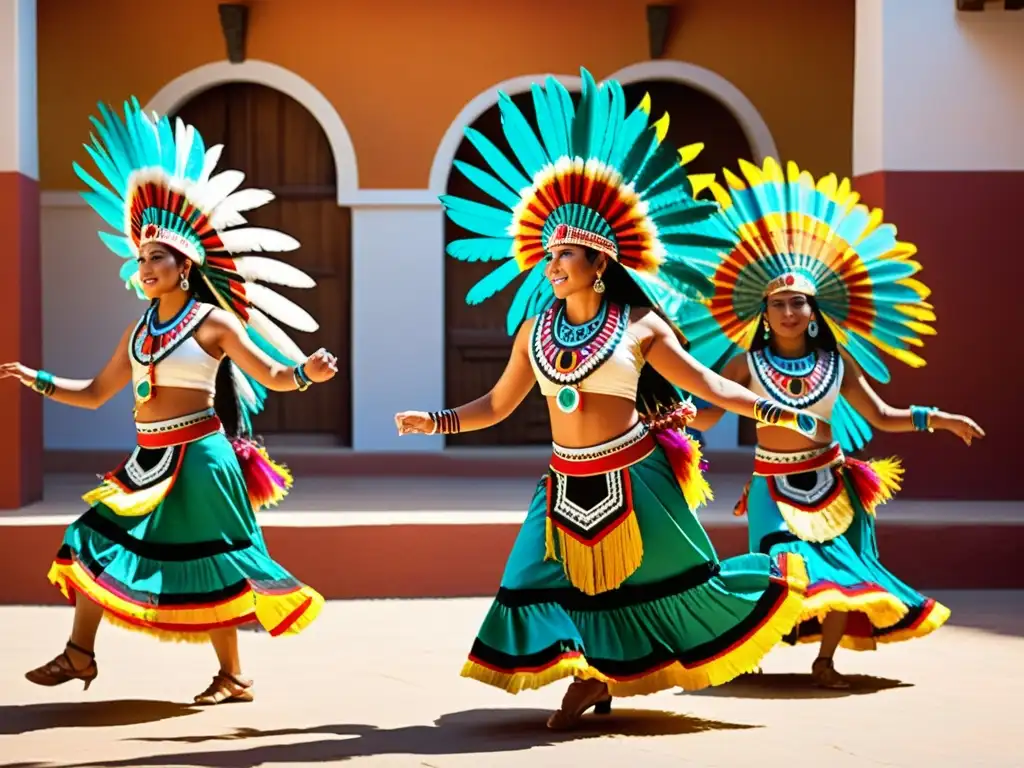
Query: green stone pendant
(144,390)
(568,399)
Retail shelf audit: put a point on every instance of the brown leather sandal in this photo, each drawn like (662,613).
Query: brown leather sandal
(61,669)
(824,675)
(581,696)
(225,687)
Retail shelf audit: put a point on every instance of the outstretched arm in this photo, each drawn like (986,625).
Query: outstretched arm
(226,331)
(497,405)
(80,393)
(735,370)
(887,418)
(669,359)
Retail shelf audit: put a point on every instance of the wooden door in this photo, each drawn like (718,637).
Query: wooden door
(476,342)
(477,345)
(280,146)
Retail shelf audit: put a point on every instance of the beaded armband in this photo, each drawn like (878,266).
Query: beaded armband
(921,417)
(43,384)
(302,381)
(446,422)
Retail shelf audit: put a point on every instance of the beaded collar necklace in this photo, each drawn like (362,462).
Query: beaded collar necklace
(566,354)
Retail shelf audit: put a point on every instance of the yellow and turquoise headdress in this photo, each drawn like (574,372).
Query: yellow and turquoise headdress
(162,188)
(590,175)
(795,233)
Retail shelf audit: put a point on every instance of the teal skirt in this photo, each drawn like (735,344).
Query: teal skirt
(171,547)
(826,516)
(670,615)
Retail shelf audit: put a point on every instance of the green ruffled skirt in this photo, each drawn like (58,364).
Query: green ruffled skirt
(681,618)
(195,563)
(844,570)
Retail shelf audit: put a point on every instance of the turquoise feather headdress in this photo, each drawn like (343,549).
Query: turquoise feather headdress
(592,174)
(793,233)
(162,188)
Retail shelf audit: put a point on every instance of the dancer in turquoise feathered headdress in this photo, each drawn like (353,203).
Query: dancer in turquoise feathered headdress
(612,579)
(170,545)
(814,285)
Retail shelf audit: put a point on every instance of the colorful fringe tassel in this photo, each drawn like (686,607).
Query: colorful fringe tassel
(684,455)
(875,482)
(266,481)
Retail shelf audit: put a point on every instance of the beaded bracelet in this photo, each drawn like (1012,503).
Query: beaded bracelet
(775,415)
(921,417)
(43,384)
(302,381)
(446,422)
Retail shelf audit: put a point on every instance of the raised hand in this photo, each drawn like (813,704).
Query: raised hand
(321,366)
(414,423)
(961,426)
(18,371)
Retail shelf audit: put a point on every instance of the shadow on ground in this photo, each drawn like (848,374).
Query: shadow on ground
(25,718)
(474,731)
(996,612)
(792,686)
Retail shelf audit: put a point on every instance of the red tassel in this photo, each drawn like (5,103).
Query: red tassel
(266,481)
(874,482)
(866,482)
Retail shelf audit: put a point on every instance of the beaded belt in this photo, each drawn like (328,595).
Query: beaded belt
(618,453)
(177,431)
(771,463)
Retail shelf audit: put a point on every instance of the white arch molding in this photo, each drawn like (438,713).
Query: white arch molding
(754,127)
(184,87)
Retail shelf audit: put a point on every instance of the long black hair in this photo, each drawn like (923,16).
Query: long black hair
(825,339)
(225,398)
(654,392)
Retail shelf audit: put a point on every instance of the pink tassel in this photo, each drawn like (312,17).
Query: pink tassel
(679,451)
(684,457)
(266,481)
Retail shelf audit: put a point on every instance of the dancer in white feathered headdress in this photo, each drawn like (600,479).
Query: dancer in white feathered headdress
(170,545)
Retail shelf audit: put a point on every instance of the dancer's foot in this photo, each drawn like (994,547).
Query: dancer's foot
(824,674)
(225,687)
(581,696)
(62,668)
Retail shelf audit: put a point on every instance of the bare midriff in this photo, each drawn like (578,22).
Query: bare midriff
(171,403)
(787,441)
(599,418)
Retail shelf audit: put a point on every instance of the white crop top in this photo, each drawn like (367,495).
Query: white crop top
(809,383)
(600,357)
(178,359)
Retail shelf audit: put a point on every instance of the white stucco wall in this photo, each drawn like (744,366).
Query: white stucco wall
(937,89)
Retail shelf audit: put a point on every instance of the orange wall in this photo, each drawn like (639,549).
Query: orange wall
(399,72)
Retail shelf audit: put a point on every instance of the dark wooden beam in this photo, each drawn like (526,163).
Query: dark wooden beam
(234,23)
(659,18)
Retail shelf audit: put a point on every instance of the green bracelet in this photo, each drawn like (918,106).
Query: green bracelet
(43,383)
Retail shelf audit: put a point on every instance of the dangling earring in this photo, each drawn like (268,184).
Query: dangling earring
(184,283)
(812,329)
(767,328)
(599,286)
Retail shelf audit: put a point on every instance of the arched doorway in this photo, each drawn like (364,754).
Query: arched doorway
(476,342)
(280,146)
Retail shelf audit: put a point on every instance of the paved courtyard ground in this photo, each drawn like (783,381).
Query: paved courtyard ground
(375,683)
